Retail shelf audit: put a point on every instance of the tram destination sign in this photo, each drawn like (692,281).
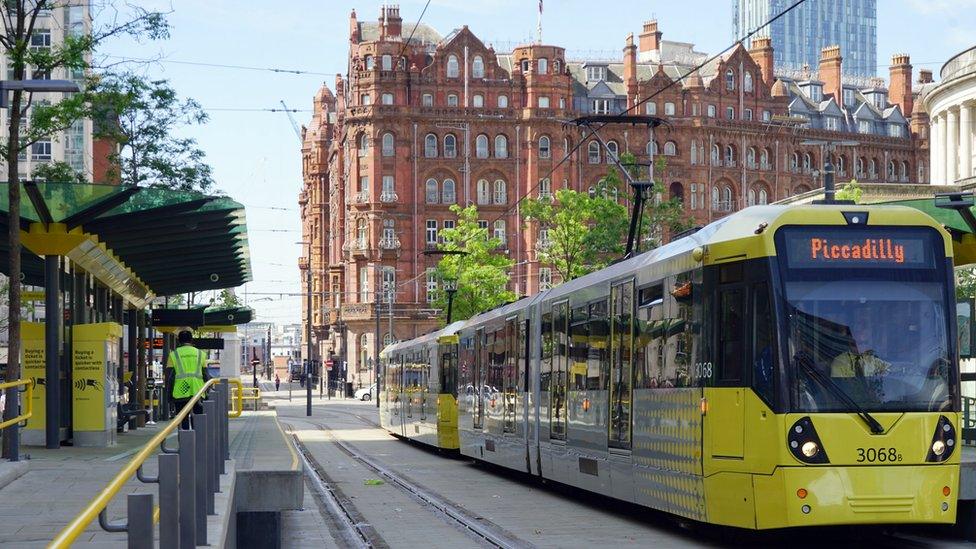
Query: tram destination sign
(813,249)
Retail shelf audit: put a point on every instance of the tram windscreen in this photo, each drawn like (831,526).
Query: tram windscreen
(877,332)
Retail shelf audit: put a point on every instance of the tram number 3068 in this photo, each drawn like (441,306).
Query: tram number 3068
(703,370)
(872,455)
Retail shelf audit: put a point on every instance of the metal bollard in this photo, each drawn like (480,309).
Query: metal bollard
(200,466)
(208,410)
(188,496)
(169,500)
(221,418)
(226,418)
(140,521)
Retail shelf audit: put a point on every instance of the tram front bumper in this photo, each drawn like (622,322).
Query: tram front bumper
(856,495)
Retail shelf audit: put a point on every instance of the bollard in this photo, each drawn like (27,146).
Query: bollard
(211,419)
(200,466)
(221,420)
(226,418)
(188,497)
(169,500)
(140,527)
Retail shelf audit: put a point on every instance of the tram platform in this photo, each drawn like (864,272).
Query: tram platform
(48,488)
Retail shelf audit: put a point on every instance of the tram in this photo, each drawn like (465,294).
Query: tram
(784,366)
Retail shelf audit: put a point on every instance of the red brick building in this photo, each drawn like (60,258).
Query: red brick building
(449,120)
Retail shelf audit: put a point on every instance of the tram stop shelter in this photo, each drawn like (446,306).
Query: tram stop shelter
(102,254)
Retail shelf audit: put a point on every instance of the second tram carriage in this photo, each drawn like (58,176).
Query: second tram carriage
(784,366)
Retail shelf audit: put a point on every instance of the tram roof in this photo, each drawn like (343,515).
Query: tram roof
(450,329)
(139,241)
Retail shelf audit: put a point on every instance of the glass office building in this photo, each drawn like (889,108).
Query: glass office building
(799,36)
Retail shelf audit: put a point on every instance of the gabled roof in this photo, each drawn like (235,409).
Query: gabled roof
(369,31)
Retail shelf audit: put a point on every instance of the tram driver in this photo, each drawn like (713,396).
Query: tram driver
(861,359)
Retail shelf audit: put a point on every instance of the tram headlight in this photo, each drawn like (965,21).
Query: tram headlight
(810,448)
(804,442)
(943,442)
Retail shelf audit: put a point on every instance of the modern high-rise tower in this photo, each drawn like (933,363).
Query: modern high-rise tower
(799,36)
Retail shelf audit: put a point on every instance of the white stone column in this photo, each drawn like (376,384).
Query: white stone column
(935,149)
(952,146)
(965,141)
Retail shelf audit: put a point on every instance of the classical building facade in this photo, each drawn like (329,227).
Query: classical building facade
(951,106)
(423,124)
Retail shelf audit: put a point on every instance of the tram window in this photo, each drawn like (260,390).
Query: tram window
(579,348)
(964,320)
(523,354)
(598,358)
(557,398)
(730,273)
(762,342)
(511,356)
(622,303)
(545,366)
(681,329)
(650,341)
(730,336)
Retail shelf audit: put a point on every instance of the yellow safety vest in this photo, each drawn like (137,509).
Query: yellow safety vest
(188,363)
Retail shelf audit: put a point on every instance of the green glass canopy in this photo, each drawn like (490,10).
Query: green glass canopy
(173,241)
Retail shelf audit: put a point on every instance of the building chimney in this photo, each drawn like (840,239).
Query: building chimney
(762,53)
(630,68)
(650,37)
(353,28)
(900,84)
(390,23)
(830,64)
(925,76)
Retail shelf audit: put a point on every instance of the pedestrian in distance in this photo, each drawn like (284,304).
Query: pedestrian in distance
(186,374)
(301,381)
(277,383)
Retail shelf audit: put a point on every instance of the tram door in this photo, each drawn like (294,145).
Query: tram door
(725,422)
(479,379)
(621,342)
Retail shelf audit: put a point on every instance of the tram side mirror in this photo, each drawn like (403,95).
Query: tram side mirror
(965,309)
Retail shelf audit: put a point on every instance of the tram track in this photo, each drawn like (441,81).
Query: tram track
(479,528)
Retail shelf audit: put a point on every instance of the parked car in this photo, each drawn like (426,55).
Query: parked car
(366,393)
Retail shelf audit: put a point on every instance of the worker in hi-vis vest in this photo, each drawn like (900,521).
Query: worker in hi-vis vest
(186,373)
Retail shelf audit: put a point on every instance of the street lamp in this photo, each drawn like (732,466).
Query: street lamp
(450,286)
(31,86)
(827,148)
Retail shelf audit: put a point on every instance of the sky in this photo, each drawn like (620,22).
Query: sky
(256,155)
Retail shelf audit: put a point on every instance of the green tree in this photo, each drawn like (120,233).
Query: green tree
(850,191)
(143,117)
(587,231)
(25,45)
(966,282)
(481,272)
(226,299)
(57,172)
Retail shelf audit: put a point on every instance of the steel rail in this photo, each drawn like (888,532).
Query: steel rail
(77,526)
(27,400)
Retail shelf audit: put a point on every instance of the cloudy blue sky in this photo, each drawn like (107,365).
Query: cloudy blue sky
(255,155)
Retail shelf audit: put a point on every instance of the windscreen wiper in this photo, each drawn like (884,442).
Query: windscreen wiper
(826,382)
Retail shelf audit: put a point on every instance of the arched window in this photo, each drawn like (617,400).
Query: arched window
(859,167)
(716,155)
(751,157)
(450,146)
(389,230)
(764,159)
(448,192)
(730,79)
(478,101)
(807,162)
(763,197)
(389,148)
(453,69)
(904,171)
(427,100)
(484,192)
(386,99)
(593,152)
(650,107)
(670,149)
(503,101)
(387,62)
(891,169)
(430,146)
(369,62)
(872,168)
(841,165)
(432,193)
(363,145)
(387,339)
(481,146)
(714,198)
(501,193)
(727,198)
(747,81)
(676,191)
(452,100)
(543,65)
(651,149)
(693,154)
(501,146)
(478,67)
(612,151)
(669,108)
(555,66)
(545,150)
(795,162)
(730,155)
(752,197)
(364,341)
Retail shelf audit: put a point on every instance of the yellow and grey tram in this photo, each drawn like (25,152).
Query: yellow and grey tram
(784,366)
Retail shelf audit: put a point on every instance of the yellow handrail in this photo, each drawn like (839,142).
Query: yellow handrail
(28,401)
(70,533)
(237,393)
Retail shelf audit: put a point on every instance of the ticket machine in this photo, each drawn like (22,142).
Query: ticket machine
(94,387)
